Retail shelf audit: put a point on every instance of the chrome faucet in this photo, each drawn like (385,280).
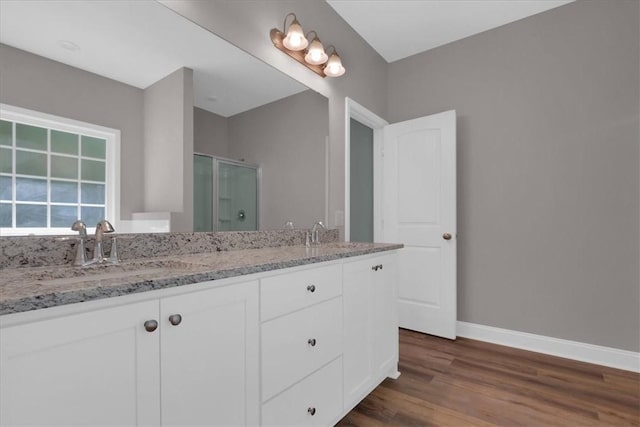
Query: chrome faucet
(315,234)
(102,227)
(81,259)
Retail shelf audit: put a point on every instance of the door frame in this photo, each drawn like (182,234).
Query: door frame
(353,110)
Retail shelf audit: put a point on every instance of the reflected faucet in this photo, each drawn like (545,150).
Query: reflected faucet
(315,234)
(102,227)
(81,228)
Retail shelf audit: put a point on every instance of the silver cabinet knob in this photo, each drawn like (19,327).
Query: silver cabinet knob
(150,325)
(311,411)
(311,288)
(312,342)
(447,236)
(175,319)
(374,268)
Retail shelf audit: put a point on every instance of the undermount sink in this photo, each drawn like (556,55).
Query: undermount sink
(96,272)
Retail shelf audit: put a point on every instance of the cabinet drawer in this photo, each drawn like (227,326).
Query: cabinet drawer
(287,354)
(293,291)
(320,394)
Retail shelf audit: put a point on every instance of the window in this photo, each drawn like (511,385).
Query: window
(54,171)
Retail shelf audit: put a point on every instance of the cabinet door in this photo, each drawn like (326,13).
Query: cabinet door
(385,316)
(357,294)
(370,325)
(209,357)
(88,369)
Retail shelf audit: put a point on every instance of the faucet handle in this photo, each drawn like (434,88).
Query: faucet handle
(80,227)
(102,227)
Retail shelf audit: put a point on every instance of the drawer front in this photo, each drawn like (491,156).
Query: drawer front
(319,394)
(287,354)
(292,291)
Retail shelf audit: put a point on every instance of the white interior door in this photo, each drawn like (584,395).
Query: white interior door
(420,211)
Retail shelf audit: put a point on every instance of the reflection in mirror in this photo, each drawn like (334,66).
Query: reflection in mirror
(167,88)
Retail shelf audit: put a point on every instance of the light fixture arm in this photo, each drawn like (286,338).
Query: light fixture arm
(331,47)
(284,24)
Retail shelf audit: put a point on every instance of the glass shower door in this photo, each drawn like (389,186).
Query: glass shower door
(202,193)
(237,197)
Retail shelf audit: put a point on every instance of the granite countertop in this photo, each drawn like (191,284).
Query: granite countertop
(26,289)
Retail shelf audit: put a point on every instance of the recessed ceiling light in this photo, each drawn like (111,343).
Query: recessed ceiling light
(68,45)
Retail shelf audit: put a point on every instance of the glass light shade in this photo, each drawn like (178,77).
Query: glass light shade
(316,54)
(295,39)
(334,66)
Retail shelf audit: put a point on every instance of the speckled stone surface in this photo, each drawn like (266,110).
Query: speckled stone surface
(43,251)
(26,289)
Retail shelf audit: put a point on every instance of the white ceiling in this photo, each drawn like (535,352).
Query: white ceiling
(138,42)
(397,29)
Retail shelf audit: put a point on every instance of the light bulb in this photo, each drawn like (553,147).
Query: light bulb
(334,67)
(316,54)
(295,39)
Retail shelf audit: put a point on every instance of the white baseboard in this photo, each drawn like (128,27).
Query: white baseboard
(607,356)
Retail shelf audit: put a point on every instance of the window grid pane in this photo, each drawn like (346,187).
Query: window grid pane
(32,137)
(50,178)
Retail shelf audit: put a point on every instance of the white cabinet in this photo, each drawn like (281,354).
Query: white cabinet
(370,325)
(106,367)
(302,347)
(209,357)
(296,347)
(95,368)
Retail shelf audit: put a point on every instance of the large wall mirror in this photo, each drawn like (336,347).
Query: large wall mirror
(100,64)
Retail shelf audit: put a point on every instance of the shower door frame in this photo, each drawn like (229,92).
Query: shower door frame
(214,198)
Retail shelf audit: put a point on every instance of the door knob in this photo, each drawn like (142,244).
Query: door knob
(150,325)
(175,319)
(446,236)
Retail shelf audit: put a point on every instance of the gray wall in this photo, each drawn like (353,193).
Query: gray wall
(168,147)
(40,84)
(210,134)
(246,24)
(287,139)
(547,168)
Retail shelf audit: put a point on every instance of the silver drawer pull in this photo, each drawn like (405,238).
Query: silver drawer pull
(312,342)
(311,411)
(311,288)
(150,325)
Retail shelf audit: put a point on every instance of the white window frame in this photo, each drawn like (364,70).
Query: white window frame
(112,178)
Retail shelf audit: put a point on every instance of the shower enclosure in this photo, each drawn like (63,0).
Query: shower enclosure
(225,194)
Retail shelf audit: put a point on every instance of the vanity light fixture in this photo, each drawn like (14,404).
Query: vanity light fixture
(294,43)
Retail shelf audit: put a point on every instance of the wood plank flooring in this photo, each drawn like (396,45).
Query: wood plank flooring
(473,383)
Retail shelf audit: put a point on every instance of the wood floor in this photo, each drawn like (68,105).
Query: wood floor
(472,383)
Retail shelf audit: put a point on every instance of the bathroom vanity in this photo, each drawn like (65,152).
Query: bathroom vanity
(273,336)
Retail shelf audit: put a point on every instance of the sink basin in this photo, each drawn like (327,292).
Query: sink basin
(97,272)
